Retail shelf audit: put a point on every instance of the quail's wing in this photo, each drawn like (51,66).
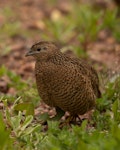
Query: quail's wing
(89,71)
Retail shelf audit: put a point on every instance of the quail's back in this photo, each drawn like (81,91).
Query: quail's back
(68,83)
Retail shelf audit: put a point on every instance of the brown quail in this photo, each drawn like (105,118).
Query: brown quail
(68,84)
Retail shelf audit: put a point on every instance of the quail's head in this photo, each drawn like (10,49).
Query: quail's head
(42,50)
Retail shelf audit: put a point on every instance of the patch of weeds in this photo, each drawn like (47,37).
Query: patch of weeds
(81,24)
(116,111)
(22,129)
(109,19)
(51,3)
(11,26)
(7,12)
(111,22)
(23,88)
(80,52)
(103,104)
(6,50)
(10,29)
(116,30)
(107,107)
(5,140)
(16,81)
(59,30)
(87,23)
(110,95)
(101,120)
(113,89)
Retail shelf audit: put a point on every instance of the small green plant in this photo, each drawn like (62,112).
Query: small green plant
(5,140)
(109,19)
(87,23)
(11,25)
(80,52)
(7,12)
(111,22)
(21,129)
(60,30)
(20,86)
(10,29)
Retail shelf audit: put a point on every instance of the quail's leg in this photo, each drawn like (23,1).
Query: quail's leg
(71,120)
(59,114)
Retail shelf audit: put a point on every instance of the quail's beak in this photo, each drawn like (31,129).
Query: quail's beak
(29,53)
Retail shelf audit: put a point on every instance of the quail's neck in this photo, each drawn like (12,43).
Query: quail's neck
(57,57)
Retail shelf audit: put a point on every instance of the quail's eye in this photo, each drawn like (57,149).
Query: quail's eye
(38,49)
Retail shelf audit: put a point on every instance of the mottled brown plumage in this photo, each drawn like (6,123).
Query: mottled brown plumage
(63,82)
